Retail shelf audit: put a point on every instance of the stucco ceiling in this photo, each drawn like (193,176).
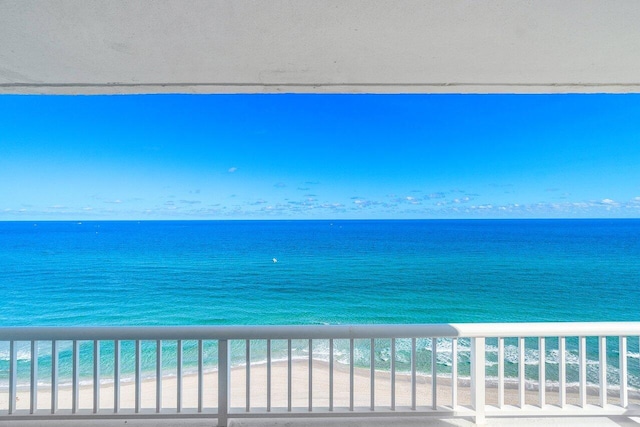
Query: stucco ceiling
(347,46)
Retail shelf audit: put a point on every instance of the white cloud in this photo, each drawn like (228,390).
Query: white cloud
(361,203)
(408,199)
(609,203)
(233,169)
(332,205)
(462,200)
(439,195)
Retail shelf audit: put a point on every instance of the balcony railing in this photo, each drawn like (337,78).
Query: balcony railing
(447,370)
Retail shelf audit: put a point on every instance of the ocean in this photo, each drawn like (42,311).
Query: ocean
(327,272)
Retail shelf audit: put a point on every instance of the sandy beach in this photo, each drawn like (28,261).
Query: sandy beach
(300,390)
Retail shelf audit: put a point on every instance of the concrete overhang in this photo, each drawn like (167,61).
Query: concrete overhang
(320,46)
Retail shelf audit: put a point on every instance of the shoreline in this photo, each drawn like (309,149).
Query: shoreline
(300,387)
(491,382)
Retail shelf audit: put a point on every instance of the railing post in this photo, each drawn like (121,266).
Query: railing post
(13,373)
(96,376)
(116,376)
(602,347)
(223,382)
(624,396)
(34,377)
(138,376)
(54,376)
(75,379)
(478,379)
(542,372)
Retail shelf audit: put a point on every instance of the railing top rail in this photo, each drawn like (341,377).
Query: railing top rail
(448,330)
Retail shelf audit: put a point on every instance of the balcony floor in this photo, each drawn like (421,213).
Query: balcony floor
(605,421)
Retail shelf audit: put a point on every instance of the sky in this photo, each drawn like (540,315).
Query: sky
(293,156)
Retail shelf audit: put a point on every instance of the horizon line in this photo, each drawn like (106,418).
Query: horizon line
(322,219)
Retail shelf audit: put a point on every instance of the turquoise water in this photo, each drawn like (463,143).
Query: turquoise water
(328,272)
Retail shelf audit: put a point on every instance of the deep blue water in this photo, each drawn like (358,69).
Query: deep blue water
(328,272)
(221,272)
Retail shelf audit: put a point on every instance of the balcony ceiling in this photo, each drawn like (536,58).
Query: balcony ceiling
(321,46)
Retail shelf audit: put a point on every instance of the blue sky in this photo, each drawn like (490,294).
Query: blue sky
(319,156)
